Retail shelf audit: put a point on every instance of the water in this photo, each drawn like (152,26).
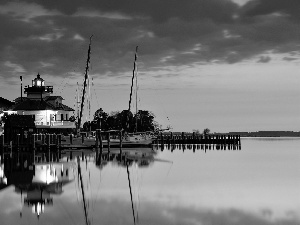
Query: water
(258,184)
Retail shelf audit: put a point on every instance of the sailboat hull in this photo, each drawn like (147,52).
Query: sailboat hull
(114,143)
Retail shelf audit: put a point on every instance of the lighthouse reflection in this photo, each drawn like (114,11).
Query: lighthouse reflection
(36,182)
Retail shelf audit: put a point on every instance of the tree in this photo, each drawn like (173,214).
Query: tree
(144,121)
(206,131)
(100,118)
(124,120)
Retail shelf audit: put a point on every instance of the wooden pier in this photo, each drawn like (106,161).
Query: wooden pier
(51,145)
(193,138)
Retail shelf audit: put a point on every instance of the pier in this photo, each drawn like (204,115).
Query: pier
(106,139)
(183,138)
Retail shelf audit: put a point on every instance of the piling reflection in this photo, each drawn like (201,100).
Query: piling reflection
(196,147)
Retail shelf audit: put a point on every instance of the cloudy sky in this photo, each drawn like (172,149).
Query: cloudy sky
(229,65)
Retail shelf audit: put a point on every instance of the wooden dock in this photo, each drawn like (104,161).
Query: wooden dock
(193,138)
(54,143)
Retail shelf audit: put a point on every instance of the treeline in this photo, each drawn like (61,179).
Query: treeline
(264,134)
(117,120)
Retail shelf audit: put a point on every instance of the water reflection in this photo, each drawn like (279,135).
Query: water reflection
(35,183)
(203,147)
(169,185)
(144,157)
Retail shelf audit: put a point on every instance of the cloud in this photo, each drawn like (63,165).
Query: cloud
(289,8)
(112,211)
(27,12)
(289,58)
(158,11)
(264,59)
(168,33)
(14,67)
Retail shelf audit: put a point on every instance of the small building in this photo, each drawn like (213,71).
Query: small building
(48,111)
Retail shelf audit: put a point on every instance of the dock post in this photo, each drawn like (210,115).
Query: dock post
(43,138)
(172,138)
(162,141)
(33,147)
(18,149)
(120,135)
(97,145)
(11,148)
(18,143)
(82,138)
(48,137)
(58,146)
(193,138)
(2,147)
(183,138)
(100,140)
(108,141)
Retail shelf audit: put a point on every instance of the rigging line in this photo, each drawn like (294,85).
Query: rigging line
(60,85)
(97,194)
(77,194)
(63,88)
(169,171)
(130,193)
(64,208)
(94,93)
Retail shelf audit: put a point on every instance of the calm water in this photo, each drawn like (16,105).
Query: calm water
(259,184)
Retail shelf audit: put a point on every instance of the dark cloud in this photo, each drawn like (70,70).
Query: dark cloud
(54,37)
(157,10)
(289,8)
(289,58)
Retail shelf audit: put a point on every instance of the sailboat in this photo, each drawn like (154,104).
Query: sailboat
(136,137)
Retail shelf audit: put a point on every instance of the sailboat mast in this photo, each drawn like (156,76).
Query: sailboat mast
(132,83)
(82,192)
(132,206)
(77,101)
(136,99)
(84,84)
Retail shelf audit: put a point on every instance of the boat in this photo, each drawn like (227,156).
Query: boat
(146,137)
(129,140)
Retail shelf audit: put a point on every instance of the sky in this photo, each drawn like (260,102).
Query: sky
(226,65)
